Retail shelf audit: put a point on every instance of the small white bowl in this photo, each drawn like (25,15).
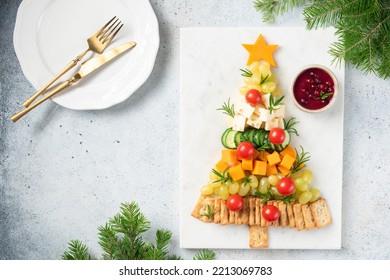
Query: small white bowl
(335,89)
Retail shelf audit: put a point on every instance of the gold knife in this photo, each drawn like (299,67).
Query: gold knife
(86,68)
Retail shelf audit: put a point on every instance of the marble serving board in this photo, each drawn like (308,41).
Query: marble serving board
(209,75)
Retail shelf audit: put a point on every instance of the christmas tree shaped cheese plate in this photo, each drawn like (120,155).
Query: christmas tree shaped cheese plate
(256,171)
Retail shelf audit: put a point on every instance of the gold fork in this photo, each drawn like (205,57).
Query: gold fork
(97,43)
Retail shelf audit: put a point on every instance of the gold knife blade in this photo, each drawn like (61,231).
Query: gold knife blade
(86,68)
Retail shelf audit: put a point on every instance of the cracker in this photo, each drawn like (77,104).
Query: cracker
(320,212)
(217,210)
(299,222)
(258,237)
(290,215)
(283,214)
(208,203)
(244,213)
(224,213)
(195,213)
(252,208)
(307,217)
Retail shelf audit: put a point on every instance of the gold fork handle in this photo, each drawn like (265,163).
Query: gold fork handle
(72,64)
(56,90)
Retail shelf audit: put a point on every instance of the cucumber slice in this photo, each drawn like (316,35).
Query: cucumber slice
(230,139)
(286,141)
(245,136)
(237,138)
(224,135)
(256,137)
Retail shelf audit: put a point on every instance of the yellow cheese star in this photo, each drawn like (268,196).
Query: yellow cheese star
(260,50)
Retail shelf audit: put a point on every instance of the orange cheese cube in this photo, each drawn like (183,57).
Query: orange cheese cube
(229,156)
(273,158)
(221,166)
(260,168)
(247,164)
(263,155)
(287,161)
(236,172)
(271,170)
(283,170)
(289,150)
(255,154)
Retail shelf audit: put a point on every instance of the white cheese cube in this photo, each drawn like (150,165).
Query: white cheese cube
(239,122)
(270,124)
(280,111)
(264,115)
(229,121)
(254,121)
(280,123)
(265,98)
(257,109)
(244,109)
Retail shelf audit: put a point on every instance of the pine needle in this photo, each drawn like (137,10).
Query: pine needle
(204,254)
(77,251)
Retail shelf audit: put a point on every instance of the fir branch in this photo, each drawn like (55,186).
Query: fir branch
(204,254)
(77,251)
(272,8)
(121,239)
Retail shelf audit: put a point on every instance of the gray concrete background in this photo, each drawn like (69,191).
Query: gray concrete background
(63,172)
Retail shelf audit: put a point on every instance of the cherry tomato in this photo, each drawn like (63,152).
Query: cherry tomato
(245,150)
(286,186)
(235,202)
(270,213)
(253,97)
(277,136)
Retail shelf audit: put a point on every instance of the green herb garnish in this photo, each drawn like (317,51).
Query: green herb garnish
(300,163)
(274,103)
(289,126)
(223,178)
(246,73)
(210,212)
(227,108)
(264,80)
(324,95)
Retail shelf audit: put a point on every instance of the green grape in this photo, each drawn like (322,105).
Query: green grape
(207,190)
(301,184)
(254,66)
(315,194)
(273,180)
(305,197)
(254,80)
(254,182)
(274,191)
(264,185)
(244,189)
(223,192)
(244,90)
(268,87)
(213,176)
(279,176)
(307,176)
(297,174)
(252,191)
(233,187)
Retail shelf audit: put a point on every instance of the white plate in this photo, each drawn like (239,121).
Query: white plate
(210,63)
(49,34)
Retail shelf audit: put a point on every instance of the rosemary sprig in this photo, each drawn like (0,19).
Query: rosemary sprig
(227,108)
(274,103)
(270,196)
(246,73)
(210,212)
(223,178)
(264,80)
(300,163)
(265,196)
(324,95)
(289,125)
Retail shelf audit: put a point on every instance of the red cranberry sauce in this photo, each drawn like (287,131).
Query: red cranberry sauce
(313,89)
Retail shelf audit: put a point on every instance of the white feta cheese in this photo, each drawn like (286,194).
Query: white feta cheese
(229,121)
(254,121)
(270,124)
(264,115)
(239,122)
(265,98)
(280,111)
(280,123)
(257,109)
(244,109)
